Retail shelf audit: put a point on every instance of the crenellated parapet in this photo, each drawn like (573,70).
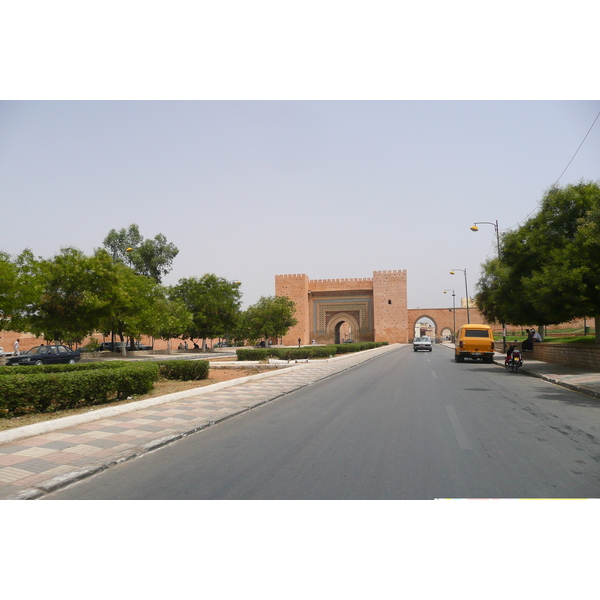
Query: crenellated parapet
(354,279)
(335,285)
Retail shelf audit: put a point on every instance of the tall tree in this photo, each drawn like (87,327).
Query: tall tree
(9,286)
(172,320)
(549,268)
(214,303)
(133,304)
(67,294)
(153,258)
(271,316)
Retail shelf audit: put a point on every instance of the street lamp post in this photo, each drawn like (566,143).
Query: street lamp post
(453,313)
(466,290)
(495,225)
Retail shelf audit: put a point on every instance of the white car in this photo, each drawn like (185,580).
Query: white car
(422,343)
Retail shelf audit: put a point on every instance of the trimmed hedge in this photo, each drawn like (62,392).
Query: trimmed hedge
(304,352)
(252,354)
(358,346)
(184,370)
(26,393)
(28,369)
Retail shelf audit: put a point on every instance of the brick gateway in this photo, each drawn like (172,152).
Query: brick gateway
(369,309)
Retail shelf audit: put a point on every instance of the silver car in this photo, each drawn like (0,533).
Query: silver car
(422,343)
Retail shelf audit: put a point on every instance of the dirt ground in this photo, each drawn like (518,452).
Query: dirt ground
(161,388)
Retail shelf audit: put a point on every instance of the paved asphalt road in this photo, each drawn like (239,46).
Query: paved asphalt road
(403,426)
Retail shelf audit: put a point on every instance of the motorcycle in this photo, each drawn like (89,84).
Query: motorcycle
(513,360)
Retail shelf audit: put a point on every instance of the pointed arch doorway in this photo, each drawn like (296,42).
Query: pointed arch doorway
(343,326)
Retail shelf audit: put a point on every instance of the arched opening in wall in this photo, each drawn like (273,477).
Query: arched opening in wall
(446,334)
(425,326)
(342,332)
(343,327)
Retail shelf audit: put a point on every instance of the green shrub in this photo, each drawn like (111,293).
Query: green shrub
(27,393)
(184,370)
(251,353)
(34,369)
(358,346)
(305,351)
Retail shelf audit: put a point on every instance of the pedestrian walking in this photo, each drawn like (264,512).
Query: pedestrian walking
(16,347)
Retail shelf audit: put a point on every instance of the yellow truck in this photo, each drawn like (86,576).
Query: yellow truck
(474,341)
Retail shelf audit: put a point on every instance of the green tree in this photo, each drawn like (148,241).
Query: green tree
(153,258)
(169,317)
(214,303)
(548,270)
(64,298)
(9,290)
(134,303)
(271,316)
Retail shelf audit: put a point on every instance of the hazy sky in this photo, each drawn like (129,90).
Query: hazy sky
(251,189)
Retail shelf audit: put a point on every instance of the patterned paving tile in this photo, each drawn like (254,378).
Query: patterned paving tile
(7,460)
(10,474)
(113,429)
(31,452)
(58,445)
(36,465)
(83,449)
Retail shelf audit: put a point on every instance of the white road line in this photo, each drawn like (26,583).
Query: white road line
(459,432)
(434,375)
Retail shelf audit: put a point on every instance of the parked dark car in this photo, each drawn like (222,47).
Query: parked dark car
(52,354)
(116,347)
(139,346)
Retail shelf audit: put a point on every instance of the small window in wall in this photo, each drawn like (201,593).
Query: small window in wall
(389,301)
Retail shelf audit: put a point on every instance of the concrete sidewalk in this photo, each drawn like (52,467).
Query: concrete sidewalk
(38,459)
(573,378)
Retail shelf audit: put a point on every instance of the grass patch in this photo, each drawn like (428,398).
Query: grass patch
(588,340)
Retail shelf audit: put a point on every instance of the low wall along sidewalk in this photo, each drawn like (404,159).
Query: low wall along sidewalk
(571,355)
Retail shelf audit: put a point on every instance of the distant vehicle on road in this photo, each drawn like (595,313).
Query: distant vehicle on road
(422,343)
(52,354)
